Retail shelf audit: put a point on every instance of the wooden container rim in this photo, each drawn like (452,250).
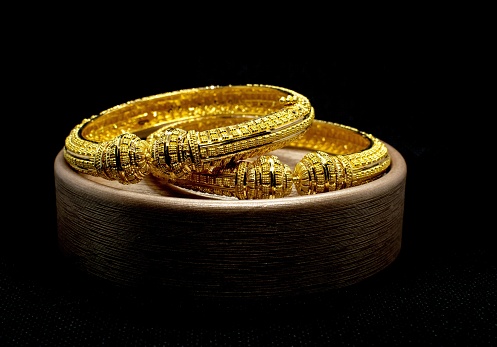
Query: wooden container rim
(394,177)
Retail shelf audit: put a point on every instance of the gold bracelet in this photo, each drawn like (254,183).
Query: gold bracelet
(344,157)
(112,144)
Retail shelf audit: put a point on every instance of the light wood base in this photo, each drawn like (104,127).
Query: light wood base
(152,235)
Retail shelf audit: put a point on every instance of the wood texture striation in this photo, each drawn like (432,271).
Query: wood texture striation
(152,235)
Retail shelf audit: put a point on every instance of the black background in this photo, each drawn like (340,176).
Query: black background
(440,291)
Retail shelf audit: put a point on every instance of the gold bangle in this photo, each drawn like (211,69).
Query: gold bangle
(344,157)
(112,144)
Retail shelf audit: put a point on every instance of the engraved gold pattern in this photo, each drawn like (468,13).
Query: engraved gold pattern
(343,157)
(128,141)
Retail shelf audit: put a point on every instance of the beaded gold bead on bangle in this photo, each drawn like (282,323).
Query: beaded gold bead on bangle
(112,144)
(343,157)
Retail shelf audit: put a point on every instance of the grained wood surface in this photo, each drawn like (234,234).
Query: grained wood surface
(158,236)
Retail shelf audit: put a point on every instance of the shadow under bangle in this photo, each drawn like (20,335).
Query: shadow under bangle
(342,157)
(112,144)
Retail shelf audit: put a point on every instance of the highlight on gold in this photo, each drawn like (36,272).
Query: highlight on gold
(219,139)
(112,144)
(341,157)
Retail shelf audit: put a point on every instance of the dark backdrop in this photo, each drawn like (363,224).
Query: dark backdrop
(440,291)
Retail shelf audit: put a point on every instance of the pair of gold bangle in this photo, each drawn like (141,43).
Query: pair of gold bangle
(218,140)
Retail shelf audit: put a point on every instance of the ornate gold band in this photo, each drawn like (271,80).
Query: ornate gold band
(343,157)
(112,144)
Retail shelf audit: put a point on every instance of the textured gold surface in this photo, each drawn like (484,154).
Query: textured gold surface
(128,141)
(342,157)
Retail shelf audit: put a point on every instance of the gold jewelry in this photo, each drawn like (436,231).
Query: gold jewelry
(344,157)
(112,144)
